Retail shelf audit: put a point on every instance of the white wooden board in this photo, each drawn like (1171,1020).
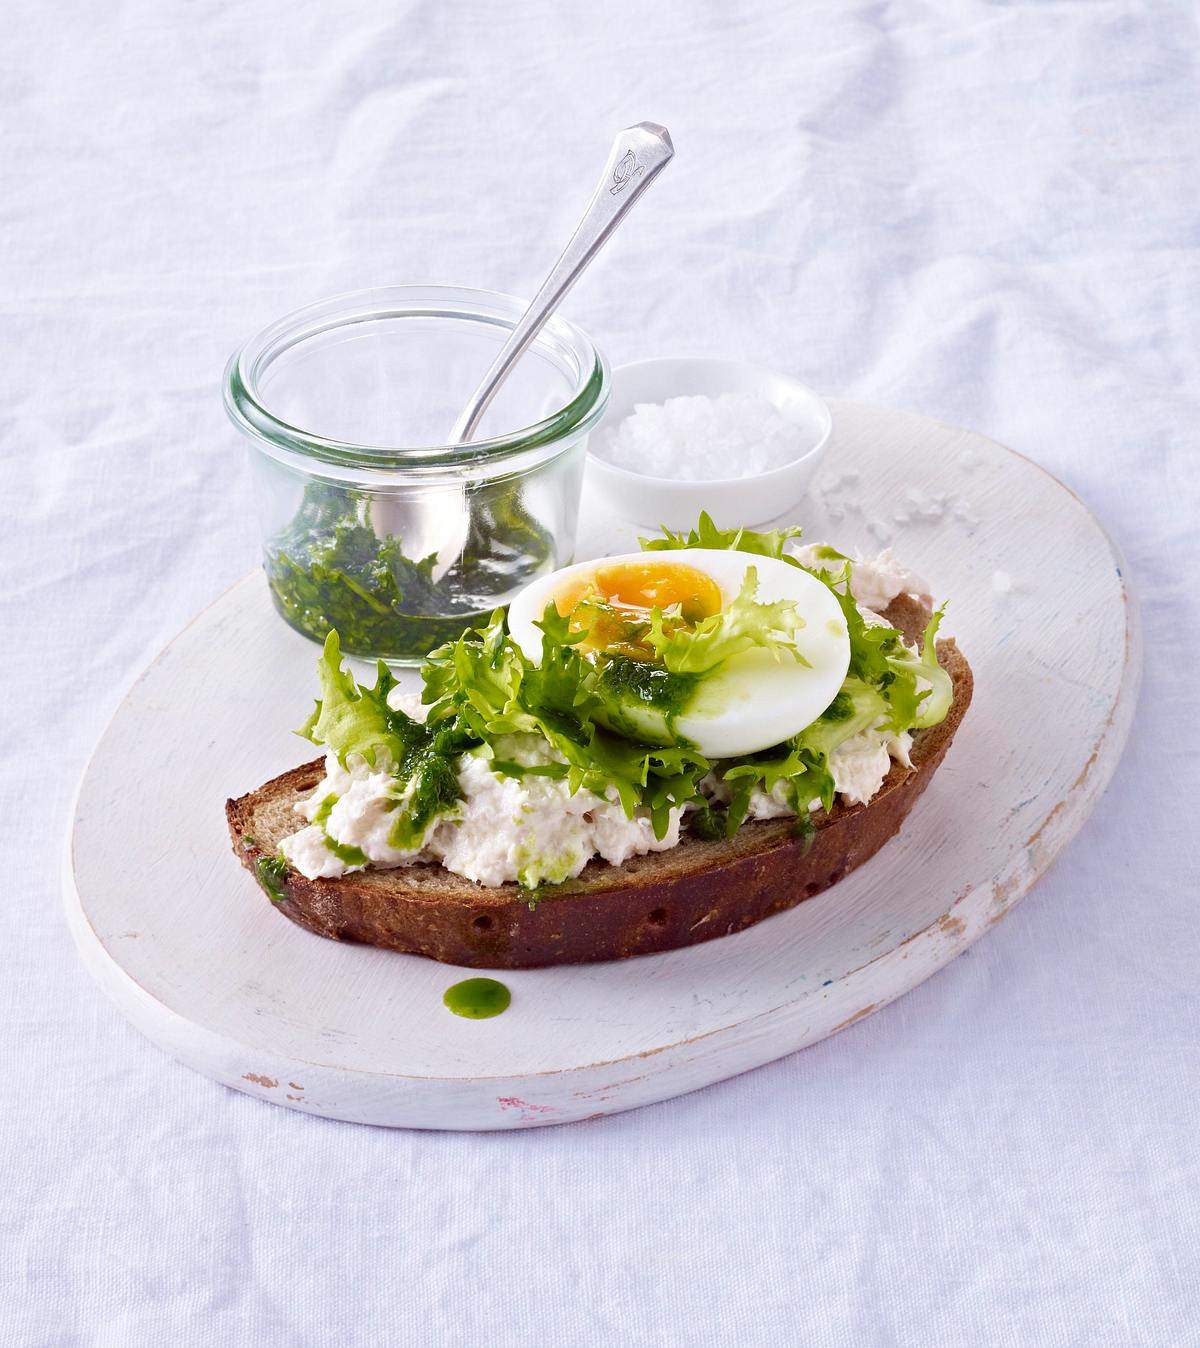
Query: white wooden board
(183,941)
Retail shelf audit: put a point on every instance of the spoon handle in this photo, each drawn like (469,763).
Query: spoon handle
(638,156)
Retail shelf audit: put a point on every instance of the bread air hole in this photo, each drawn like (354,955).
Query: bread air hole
(657,917)
(482,923)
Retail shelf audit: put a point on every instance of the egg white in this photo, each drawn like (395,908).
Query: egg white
(753,701)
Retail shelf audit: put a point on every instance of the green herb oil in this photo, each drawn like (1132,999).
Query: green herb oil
(272,876)
(477,998)
(329,569)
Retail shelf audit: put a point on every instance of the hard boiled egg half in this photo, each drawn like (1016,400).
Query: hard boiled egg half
(755,699)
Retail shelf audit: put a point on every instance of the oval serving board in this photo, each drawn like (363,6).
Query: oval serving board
(180,937)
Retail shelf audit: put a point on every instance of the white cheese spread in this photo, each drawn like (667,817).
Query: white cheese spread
(858,767)
(874,581)
(860,763)
(528,829)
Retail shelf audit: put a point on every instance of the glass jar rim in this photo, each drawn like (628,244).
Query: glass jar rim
(249,412)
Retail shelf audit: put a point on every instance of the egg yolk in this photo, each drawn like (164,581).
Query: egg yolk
(612,604)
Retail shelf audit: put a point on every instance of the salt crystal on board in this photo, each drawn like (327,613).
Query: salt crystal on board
(920,503)
(879,530)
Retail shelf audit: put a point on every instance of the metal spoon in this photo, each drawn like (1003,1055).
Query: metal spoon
(438,520)
(639,154)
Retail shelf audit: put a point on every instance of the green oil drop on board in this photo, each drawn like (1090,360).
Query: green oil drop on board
(477,998)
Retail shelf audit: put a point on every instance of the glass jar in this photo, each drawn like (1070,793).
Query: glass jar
(370,523)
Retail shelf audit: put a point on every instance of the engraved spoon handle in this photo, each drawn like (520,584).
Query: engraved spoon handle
(639,154)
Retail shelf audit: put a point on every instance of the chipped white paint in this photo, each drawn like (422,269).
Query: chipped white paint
(180,937)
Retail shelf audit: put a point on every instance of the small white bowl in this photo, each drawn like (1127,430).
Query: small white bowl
(730,501)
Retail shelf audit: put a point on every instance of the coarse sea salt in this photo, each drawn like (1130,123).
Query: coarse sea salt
(700,439)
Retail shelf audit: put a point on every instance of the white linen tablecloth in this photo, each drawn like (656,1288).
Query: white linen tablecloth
(987,212)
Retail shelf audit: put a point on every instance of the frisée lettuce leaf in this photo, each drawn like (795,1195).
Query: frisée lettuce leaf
(707,535)
(484,685)
(741,625)
(350,718)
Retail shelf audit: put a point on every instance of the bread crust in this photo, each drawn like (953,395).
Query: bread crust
(662,901)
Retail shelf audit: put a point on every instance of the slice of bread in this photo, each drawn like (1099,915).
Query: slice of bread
(661,901)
